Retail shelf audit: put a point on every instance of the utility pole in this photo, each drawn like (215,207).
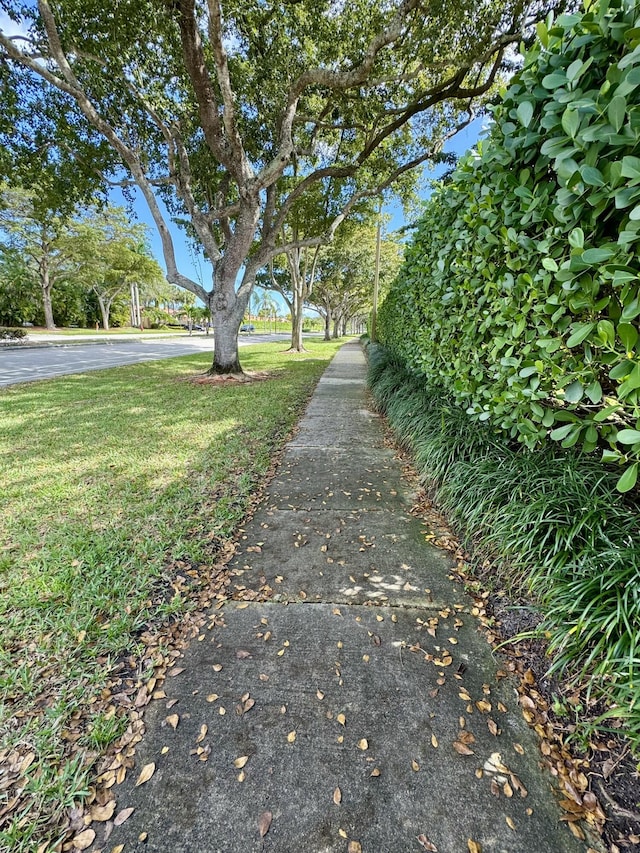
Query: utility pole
(376,277)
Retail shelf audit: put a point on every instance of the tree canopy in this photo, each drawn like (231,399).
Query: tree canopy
(231,112)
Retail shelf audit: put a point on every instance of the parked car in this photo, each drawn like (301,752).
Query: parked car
(247,327)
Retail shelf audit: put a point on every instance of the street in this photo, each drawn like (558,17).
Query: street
(31,364)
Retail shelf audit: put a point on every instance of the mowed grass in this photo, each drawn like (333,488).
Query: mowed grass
(107,478)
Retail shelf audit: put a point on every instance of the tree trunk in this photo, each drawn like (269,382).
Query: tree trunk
(297,322)
(327,325)
(227,313)
(45,284)
(48,309)
(335,329)
(104,310)
(344,328)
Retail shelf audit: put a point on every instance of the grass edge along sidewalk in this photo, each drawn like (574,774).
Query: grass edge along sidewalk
(121,490)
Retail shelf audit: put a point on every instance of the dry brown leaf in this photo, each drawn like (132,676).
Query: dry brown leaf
(363,744)
(203,733)
(520,749)
(414,765)
(291,737)
(175,671)
(125,814)
(473,846)
(510,823)
(84,839)
(212,697)
(337,796)
(354,847)
(146,773)
(118,848)
(507,789)
(493,727)
(428,845)
(434,741)
(264,823)
(241,776)
(343,834)
(375,772)
(172,720)
(462,748)
(243,654)
(341,719)
(320,694)
(240,762)
(101,813)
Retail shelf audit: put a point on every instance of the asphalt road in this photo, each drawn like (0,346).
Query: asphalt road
(31,364)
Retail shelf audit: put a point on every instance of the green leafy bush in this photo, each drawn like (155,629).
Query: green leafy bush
(520,294)
(550,523)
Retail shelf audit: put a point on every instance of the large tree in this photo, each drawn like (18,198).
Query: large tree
(215,104)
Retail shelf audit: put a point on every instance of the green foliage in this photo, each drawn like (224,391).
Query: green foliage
(520,294)
(550,522)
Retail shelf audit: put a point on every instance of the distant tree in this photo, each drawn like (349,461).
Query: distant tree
(38,235)
(111,254)
(346,268)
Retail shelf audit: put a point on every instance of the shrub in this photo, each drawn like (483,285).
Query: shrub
(520,294)
(12,334)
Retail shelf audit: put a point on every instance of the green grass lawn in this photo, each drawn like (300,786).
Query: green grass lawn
(107,479)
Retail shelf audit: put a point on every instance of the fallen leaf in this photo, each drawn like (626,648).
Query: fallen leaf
(414,765)
(264,823)
(428,845)
(375,772)
(217,667)
(434,741)
(462,748)
(143,836)
(203,733)
(212,697)
(320,694)
(341,719)
(118,848)
(125,814)
(101,813)
(291,737)
(146,773)
(84,839)
(363,744)
(337,796)
(239,763)
(172,720)
(342,833)
(473,846)
(241,776)
(493,727)
(243,654)
(175,671)
(510,823)
(354,847)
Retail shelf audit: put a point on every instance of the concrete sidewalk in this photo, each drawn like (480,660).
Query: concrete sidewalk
(358,709)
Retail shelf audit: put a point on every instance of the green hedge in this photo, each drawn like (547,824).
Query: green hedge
(520,294)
